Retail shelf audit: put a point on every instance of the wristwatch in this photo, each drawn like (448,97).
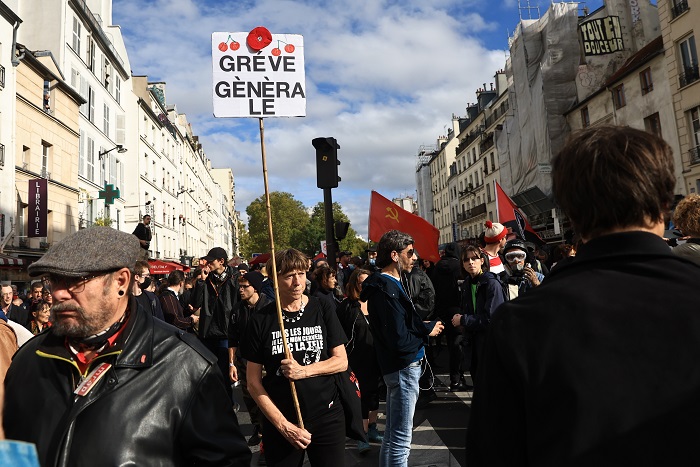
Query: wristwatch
(231,364)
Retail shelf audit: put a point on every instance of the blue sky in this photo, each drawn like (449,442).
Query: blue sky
(383,77)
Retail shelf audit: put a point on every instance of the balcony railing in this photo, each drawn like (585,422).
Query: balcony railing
(2,76)
(679,6)
(689,75)
(468,214)
(487,143)
(694,155)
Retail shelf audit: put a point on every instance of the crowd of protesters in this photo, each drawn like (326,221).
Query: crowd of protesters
(385,314)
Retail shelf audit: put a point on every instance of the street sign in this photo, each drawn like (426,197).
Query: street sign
(258,74)
(109,194)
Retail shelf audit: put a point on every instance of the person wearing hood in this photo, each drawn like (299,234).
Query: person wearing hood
(220,296)
(446,277)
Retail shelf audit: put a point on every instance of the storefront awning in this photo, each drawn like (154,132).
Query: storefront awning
(157,266)
(12,261)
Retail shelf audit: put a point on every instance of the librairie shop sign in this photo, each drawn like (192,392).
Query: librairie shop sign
(258,74)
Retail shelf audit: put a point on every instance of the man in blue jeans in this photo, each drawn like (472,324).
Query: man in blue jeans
(399,335)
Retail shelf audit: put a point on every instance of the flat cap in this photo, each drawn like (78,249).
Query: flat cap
(88,251)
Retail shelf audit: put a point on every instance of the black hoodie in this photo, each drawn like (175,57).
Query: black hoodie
(445,276)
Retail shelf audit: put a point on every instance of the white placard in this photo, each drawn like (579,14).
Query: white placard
(258,83)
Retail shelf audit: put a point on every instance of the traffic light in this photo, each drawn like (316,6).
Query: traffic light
(326,162)
(341,229)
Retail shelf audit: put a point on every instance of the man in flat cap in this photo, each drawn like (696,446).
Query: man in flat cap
(108,384)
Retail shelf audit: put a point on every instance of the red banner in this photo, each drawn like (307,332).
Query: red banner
(38,208)
(385,215)
(510,216)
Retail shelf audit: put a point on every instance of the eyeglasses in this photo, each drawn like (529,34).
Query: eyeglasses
(472,258)
(243,286)
(72,284)
(410,252)
(515,255)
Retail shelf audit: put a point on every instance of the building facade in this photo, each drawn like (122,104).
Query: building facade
(678,23)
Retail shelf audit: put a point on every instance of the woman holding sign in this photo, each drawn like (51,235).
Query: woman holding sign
(316,342)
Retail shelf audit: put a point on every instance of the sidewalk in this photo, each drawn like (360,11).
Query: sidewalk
(439,429)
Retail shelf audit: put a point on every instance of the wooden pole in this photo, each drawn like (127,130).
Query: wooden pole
(280,319)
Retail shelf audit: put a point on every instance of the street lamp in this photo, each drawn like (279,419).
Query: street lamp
(185,190)
(120,149)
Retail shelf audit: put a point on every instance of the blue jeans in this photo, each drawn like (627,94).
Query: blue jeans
(401,397)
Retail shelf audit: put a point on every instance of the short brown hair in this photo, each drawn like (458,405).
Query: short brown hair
(687,215)
(607,177)
(287,261)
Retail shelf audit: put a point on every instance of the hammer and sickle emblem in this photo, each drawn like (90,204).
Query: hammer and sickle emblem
(393,214)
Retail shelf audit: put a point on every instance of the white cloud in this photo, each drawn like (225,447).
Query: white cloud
(382,77)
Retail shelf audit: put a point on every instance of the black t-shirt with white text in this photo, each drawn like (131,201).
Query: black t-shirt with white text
(310,336)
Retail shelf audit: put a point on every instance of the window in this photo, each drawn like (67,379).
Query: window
(695,127)
(118,89)
(90,159)
(91,104)
(652,124)
(47,96)
(585,118)
(113,170)
(81,154)
(106,74)
(106,120)
(645,81)
(45,151)
(84,95)
(90,54)
(102,160)
(678,7)
(689,61)
(493,165)
(694,153)
(25,156)
(619,96)
(76,35)
(488,192)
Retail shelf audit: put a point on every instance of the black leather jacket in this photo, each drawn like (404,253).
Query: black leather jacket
(163,402)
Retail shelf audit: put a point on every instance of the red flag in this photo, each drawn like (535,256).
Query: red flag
(385,215)
(510,216)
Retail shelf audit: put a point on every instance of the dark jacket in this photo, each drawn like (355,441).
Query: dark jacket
(397,328)
(19,315)
(595,367)
(326,295)
(422,292)
(173,312)
(218,300)
(163,402)
(489,296)
(143,233)
(445,276)
(239,319)
(156,309)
